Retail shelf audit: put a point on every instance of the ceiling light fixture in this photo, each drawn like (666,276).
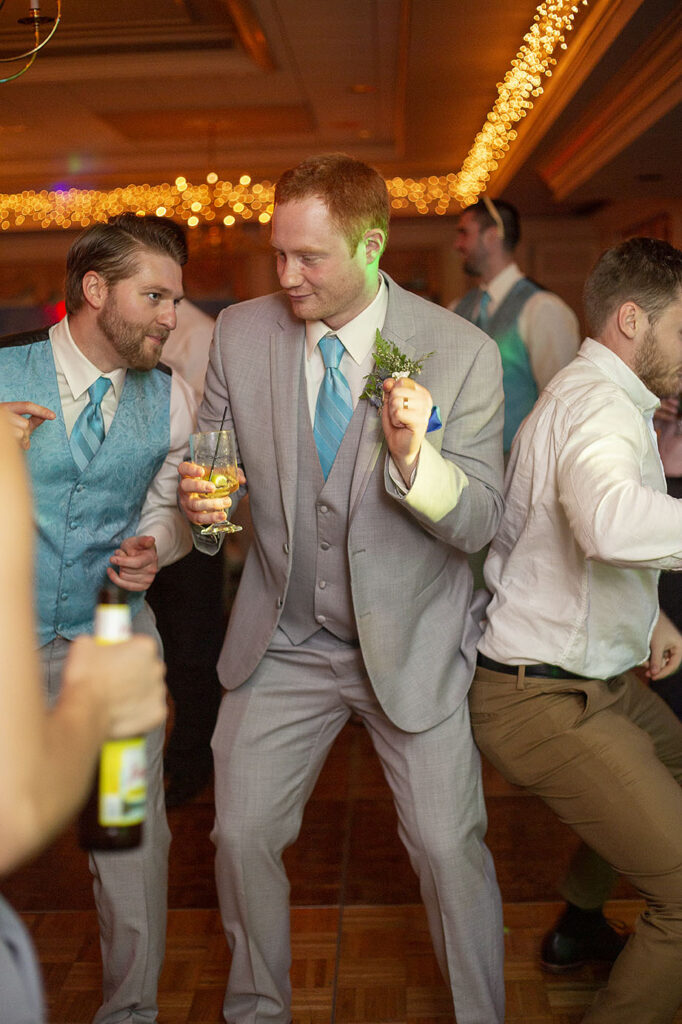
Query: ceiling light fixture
(37,21)
(245,201)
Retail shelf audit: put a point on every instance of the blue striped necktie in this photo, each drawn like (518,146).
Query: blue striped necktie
(482,317)
(334,404)
(88,430)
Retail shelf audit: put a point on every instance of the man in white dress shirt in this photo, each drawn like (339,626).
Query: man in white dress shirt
(105,428)
(536,332)
(573,572)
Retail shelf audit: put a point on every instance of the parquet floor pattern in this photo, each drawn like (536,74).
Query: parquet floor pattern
(360,944)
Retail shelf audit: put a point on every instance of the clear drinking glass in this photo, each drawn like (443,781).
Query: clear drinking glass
(216,453)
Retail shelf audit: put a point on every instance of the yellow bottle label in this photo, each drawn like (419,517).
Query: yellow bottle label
(122,782)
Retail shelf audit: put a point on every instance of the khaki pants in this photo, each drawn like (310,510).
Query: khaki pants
(607,758)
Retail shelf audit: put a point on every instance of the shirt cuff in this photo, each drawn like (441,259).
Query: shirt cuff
(207,543)
(396,476)
(172,536)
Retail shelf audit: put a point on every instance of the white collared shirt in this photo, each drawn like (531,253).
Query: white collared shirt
(573,569)
(548,327)
(160,516)
(357,337)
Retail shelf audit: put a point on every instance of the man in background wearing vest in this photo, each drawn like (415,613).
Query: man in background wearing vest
(105,429)
(355,592)
(535,330)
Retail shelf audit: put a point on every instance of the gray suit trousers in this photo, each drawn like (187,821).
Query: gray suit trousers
(130,886)
(21,991)
(271,740)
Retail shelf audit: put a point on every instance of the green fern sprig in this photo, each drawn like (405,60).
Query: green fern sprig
(389,362)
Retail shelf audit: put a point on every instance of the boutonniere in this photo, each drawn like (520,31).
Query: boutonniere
(390,362)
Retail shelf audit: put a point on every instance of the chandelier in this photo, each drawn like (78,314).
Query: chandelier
(38,22)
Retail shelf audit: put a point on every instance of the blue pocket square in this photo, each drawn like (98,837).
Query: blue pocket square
(435,422)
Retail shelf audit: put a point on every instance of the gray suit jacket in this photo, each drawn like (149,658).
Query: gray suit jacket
(410,580)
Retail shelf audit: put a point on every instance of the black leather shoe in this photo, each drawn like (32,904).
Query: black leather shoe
(580,937)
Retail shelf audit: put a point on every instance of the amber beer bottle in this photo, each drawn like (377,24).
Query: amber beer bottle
(112,818)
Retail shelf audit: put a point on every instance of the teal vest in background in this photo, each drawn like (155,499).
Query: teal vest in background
(81,518)
(520,389)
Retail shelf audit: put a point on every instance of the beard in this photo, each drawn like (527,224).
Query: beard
(129,338)
(662,378)
(475,260)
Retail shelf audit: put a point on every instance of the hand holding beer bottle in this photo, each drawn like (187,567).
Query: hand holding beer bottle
(112,819)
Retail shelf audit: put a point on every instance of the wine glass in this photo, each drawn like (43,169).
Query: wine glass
(216,452)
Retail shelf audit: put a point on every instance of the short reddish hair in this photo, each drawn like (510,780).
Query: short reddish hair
(354,193)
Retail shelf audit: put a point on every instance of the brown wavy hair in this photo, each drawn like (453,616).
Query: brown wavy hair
(643,270)
(113,250)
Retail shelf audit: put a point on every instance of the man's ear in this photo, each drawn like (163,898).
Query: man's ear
(630,318)
(375,242)
(95,289)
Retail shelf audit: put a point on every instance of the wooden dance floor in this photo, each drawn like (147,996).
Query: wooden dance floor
(361,949)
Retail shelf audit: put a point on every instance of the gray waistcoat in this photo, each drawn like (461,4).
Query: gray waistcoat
(319,593)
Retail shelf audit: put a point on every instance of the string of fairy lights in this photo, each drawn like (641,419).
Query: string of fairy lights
(216,201)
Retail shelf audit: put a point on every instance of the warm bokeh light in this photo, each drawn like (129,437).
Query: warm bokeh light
(246,200)
(524,80)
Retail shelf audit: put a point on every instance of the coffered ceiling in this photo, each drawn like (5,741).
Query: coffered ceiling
(131,91)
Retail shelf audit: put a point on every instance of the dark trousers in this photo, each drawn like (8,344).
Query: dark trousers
(670,598)
(187,599)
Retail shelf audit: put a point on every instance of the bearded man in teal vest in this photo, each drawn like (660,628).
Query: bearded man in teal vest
(536,332)
(105,426)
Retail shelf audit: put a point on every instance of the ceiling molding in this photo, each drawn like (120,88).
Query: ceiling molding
(595,34)
(251,34)
(227,126)
(114,35)
(122,66)
(642,92)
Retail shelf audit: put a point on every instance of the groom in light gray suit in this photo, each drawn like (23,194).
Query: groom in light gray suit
(355,596)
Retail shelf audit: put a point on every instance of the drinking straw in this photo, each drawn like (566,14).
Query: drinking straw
(215,453)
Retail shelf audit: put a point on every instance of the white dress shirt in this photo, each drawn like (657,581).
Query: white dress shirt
(357,336)
(160,516)
(574,567)
(548,327)
(188,345)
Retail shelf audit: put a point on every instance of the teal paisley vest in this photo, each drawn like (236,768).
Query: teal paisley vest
(82,517)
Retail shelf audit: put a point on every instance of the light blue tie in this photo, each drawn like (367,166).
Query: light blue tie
(88,430)
(482,318)
(334,404)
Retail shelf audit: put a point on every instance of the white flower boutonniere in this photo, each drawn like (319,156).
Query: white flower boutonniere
(390,362)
